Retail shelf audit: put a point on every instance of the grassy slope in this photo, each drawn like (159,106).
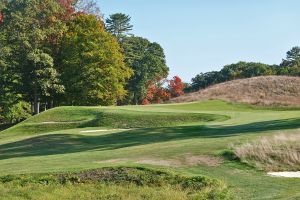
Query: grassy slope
(25,151)
(79,117)
(262,90)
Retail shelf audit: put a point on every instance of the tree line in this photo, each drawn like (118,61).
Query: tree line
(62,52)
(290,66)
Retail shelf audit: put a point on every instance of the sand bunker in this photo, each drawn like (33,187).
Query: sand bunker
(118,160)
(103,130)
(285,174)
(61,122)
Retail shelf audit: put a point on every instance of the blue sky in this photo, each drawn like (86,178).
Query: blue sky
(204,35)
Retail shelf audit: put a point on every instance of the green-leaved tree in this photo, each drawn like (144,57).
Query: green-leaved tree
(92,64)
(148,62)
(28,27)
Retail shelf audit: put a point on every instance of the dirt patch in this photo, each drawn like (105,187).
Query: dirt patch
(192,160)
(112,160)
(169,163)
(188,160)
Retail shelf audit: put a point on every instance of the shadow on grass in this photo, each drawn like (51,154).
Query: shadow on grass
(68,143)
(5,126)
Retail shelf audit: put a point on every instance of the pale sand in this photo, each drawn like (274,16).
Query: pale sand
(103,130)
(286,174)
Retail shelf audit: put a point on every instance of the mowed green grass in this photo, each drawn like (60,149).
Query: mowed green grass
(61,140)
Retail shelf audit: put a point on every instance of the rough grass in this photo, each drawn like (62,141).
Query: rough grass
(265,90)
(277,153)
(150,184)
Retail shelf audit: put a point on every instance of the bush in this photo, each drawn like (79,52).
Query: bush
(17,112)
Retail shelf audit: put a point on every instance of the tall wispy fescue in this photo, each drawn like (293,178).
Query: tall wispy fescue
(277,153)
(264,90)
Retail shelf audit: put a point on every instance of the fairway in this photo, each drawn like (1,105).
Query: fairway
(191,139)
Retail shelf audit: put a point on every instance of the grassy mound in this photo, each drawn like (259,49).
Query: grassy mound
(168,185)
(265,90)
(79,117)
(276,153)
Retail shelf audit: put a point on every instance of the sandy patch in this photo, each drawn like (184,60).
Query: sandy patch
(55,122)
(103,130)
(285,174)
(61,122)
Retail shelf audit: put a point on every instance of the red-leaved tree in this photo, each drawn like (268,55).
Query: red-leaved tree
(176,86)
(1,17)
(156,93)
(68,6)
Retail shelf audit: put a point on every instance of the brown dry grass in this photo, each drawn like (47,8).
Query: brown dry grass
(187,160)
(264,90)
(280,152)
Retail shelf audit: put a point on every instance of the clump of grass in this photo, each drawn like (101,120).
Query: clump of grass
(277,153)
(147,181)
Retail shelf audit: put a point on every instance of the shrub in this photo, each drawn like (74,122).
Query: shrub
(17,112)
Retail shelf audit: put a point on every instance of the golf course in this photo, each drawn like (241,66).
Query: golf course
(181,140)
(149,100)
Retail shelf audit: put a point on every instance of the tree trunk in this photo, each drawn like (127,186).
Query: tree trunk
(51,103)
(36,102)
(32,107)
(135,99)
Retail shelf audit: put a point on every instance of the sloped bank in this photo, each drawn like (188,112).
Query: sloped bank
(78,117)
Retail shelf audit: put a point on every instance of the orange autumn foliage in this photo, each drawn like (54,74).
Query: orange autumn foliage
(1,17)
(176,86)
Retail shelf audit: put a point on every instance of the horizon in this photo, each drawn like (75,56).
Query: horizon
(215,33)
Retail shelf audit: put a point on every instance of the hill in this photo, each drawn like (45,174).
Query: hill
(264,90)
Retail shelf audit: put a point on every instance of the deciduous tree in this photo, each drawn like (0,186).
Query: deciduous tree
(28,28)
(176,86)
(147,60)
(92,66)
